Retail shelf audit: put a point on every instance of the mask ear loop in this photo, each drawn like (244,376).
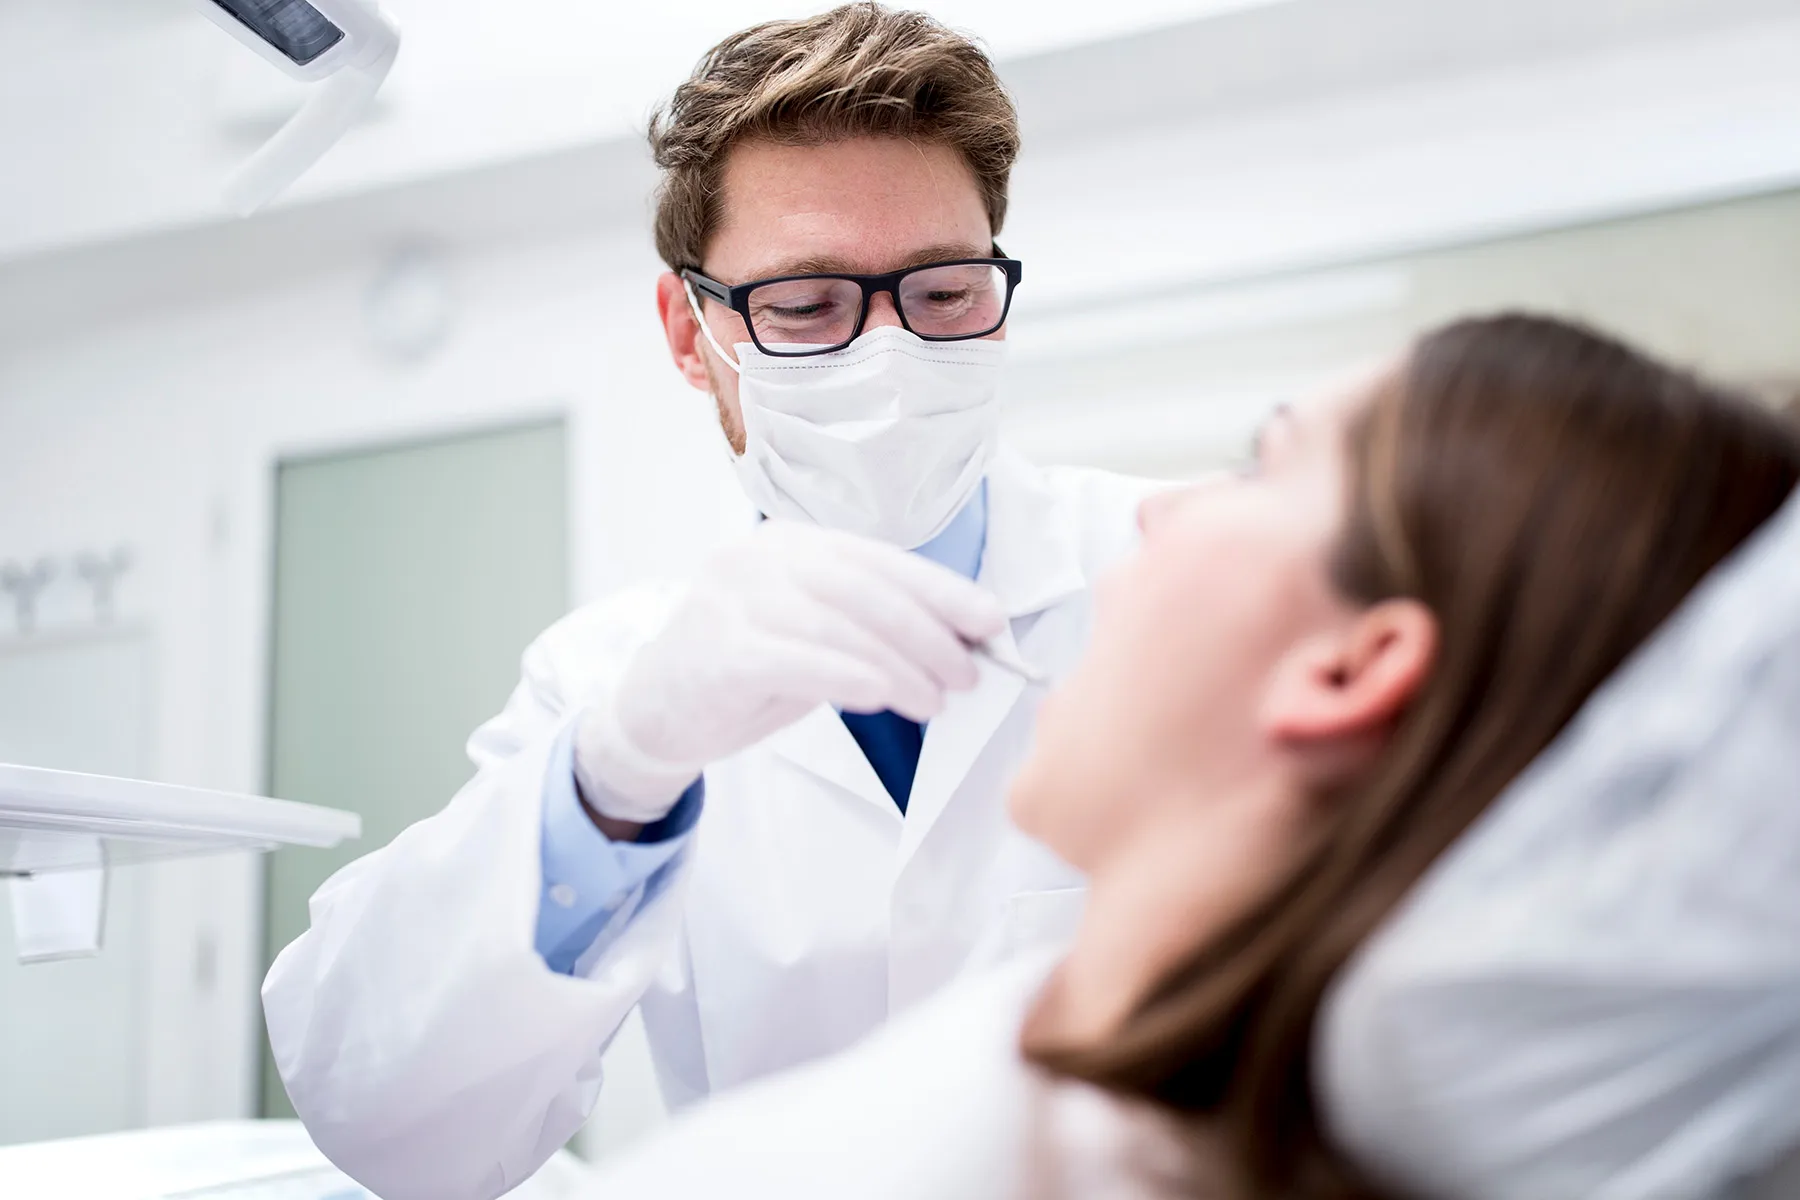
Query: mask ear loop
(694,304)
(731,451)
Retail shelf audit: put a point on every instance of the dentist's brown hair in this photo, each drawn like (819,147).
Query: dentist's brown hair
(859,70)
(1551,495)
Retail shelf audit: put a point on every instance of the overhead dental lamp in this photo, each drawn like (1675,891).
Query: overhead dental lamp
(343,47)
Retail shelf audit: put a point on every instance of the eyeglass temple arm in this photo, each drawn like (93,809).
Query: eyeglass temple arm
(711,288)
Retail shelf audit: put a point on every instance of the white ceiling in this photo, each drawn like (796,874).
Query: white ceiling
(1247,116)
(122,117)
(484,35)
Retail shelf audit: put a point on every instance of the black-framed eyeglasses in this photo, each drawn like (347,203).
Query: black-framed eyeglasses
(795,316)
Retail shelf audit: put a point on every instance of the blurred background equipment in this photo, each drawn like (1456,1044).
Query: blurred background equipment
(344,47)
(366,443)
(74,1055)
(217,1160)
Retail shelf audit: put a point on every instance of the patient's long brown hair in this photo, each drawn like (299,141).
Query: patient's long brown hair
(1551,495)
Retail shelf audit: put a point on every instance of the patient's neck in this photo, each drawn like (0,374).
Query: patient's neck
(1164,891)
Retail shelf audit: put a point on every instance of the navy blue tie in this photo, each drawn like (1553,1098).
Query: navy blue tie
(891,744)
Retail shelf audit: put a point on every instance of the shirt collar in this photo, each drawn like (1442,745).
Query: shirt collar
(963,540)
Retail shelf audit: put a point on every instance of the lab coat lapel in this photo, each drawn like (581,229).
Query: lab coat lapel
(1031,562)
(820,743)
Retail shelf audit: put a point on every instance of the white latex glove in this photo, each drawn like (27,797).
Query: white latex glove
(789,618)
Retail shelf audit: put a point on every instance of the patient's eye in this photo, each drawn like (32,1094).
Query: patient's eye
(1273,442)
(1248,463)
(1256,454)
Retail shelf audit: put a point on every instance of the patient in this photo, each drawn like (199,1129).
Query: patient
(1312,678)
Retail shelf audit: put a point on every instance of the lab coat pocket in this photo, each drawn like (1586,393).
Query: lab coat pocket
(1039,921)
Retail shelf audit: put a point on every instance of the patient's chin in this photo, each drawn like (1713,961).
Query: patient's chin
(1019,806)
(1046,808)
(1031,802)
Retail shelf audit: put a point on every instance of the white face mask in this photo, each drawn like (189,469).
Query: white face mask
(888,437)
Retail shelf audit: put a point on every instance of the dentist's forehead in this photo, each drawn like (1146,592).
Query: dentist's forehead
(865,205)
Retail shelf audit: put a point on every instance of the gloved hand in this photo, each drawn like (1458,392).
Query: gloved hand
(789,618)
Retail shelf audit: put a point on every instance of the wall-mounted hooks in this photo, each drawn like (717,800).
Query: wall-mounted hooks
(48,590)
(102,573)
(25,584)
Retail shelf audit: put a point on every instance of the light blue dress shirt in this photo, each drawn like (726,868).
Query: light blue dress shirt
(594,885)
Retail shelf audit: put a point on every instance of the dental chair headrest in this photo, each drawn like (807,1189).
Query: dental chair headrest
(1596,992)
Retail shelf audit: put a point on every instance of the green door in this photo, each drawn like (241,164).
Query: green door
(408,580)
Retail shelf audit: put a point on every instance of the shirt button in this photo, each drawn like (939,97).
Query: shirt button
(563,896)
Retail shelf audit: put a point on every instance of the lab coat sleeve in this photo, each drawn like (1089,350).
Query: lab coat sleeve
(422,1038)
(590,881)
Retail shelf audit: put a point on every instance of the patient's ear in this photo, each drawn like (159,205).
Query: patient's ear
(1352,682)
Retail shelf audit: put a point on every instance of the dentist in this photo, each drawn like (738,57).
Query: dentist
(763,806)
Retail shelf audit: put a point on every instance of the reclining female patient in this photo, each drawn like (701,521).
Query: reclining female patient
(1312,678)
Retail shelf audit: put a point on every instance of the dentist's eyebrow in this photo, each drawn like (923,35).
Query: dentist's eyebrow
(832,264)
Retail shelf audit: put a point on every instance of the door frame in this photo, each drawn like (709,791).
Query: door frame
(207,1035)
(316,450)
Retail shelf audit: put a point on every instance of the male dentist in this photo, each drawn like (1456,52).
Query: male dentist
(831,192)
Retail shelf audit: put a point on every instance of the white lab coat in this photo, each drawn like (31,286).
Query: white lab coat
(433,1055)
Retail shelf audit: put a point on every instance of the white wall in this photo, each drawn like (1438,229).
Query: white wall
(147,385)
(160,433)
(1180,384)
(125,115)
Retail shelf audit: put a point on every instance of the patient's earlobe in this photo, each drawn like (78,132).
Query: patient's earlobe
(1354,681)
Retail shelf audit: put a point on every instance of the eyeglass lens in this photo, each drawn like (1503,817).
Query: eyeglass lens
(949,301)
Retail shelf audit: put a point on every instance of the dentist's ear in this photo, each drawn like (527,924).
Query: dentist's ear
(1340,692)
(687,346)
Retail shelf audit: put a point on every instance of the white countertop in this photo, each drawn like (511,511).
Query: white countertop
(51,820)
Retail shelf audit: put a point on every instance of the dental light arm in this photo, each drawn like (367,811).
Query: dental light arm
(345,46)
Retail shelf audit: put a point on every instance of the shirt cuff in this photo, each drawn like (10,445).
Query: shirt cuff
(589,880)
